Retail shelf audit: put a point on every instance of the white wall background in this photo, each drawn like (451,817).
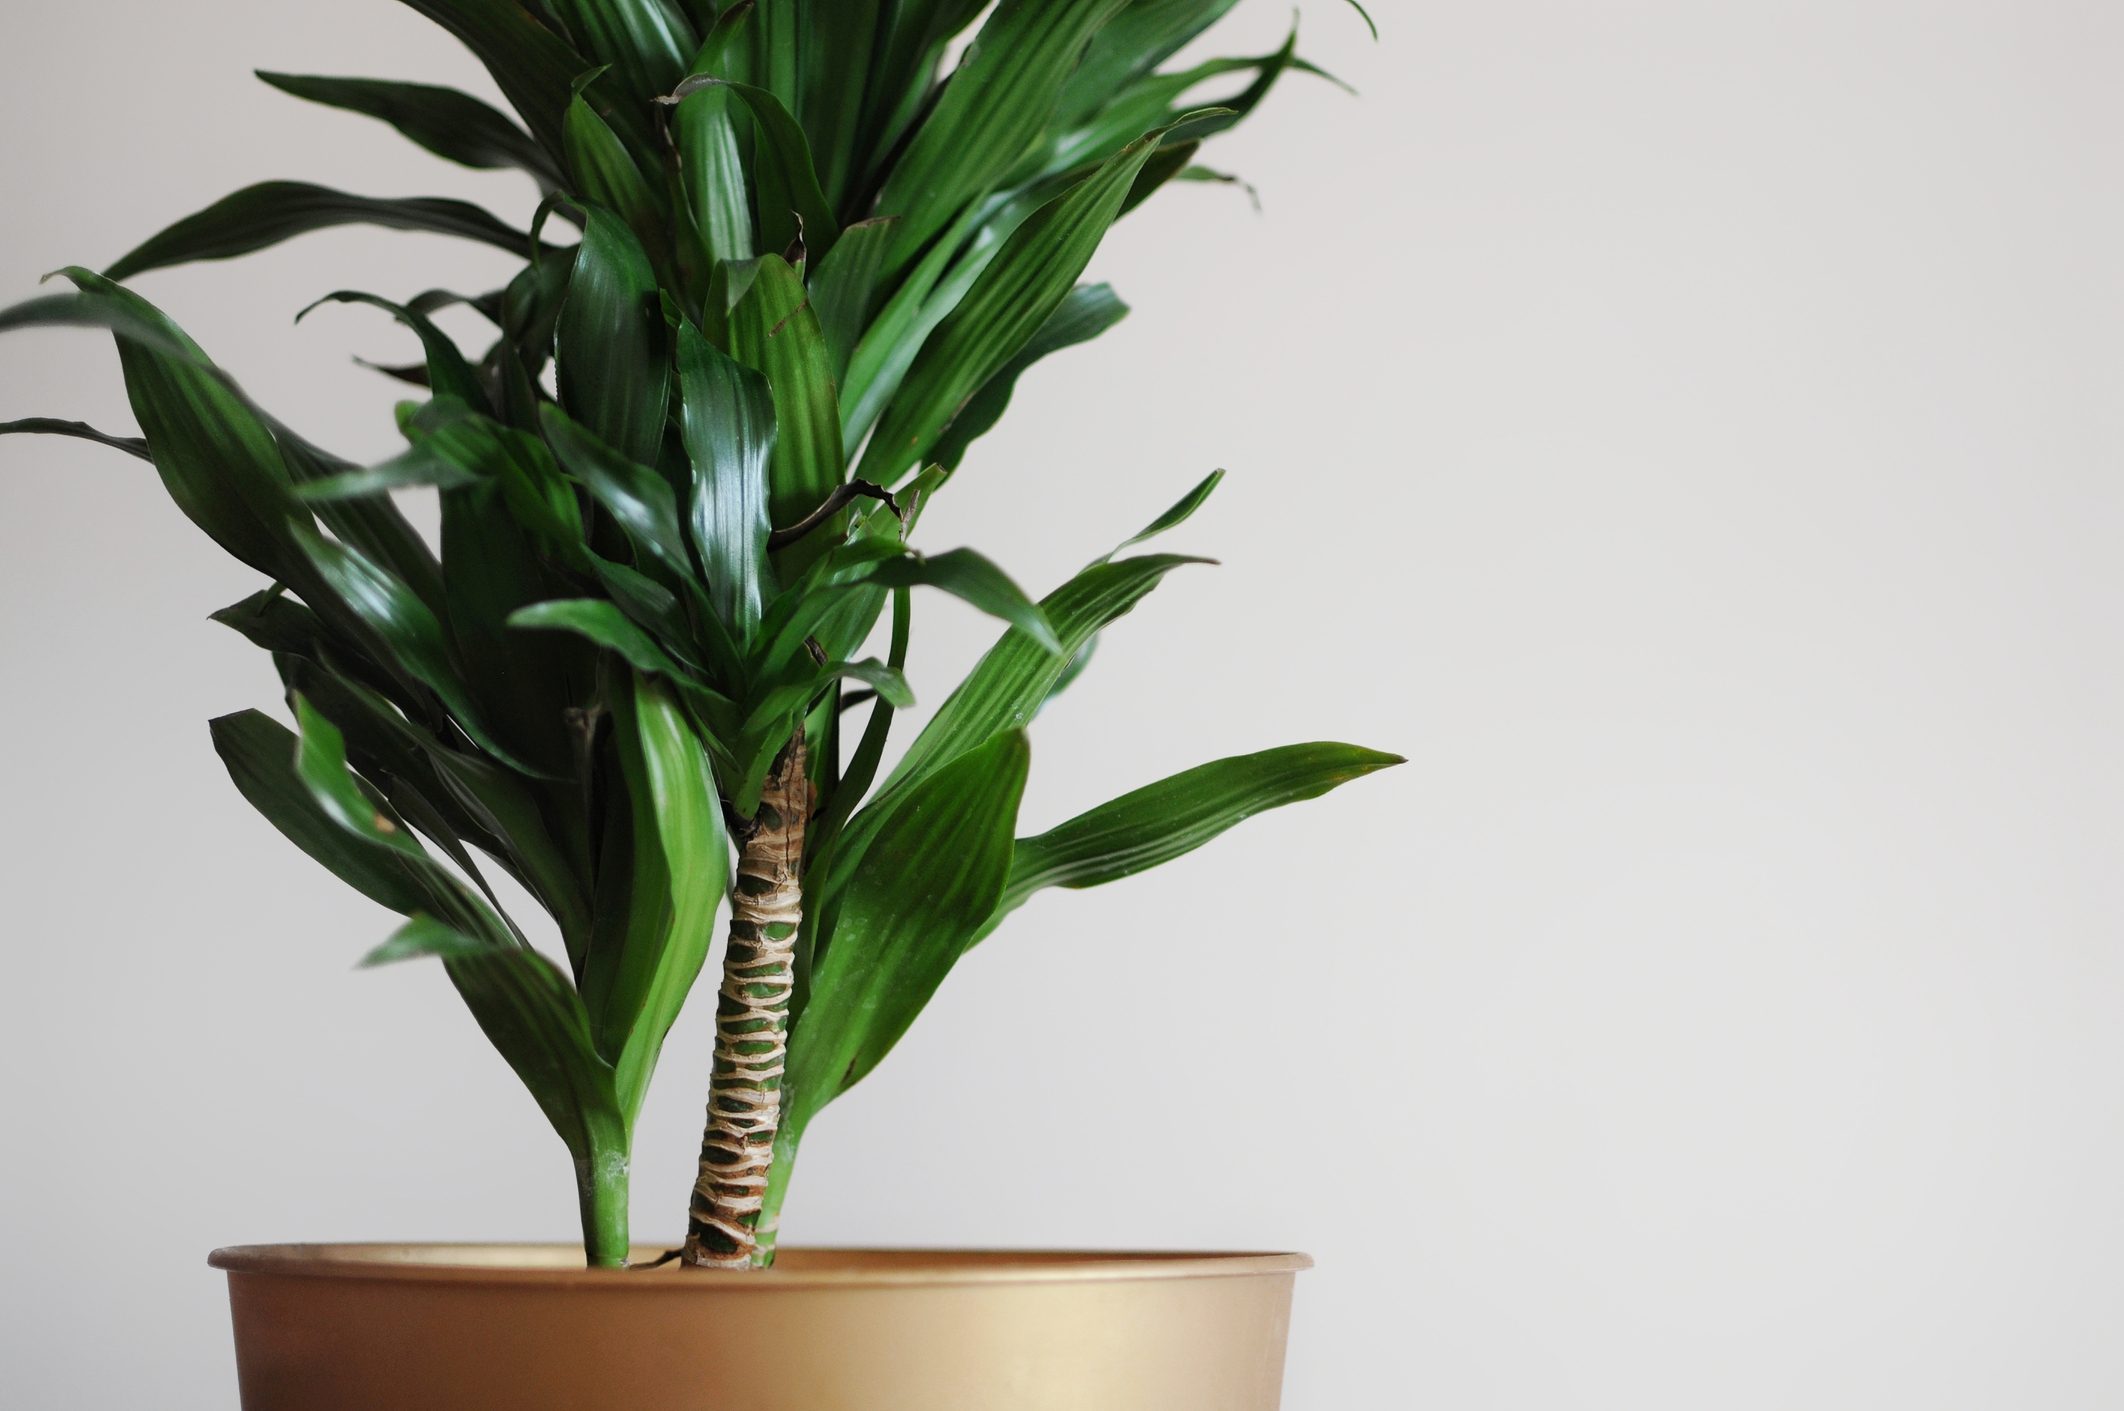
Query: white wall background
(1689,430)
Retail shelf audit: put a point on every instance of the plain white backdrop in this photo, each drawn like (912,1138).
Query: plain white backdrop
(1688,430)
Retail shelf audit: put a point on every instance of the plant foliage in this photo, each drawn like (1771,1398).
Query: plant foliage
(790,266)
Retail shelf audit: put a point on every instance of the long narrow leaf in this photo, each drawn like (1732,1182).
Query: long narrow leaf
(615,374)
(1171,818)
(941,858)
(259,217)
(452,125)
(727,421)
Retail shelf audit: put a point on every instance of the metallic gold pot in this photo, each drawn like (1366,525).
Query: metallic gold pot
(526,1328)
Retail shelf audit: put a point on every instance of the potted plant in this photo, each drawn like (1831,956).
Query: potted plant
(809,260)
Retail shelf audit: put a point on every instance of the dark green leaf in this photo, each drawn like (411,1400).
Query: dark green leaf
(449,375)
(1088,311)
(637,988)
(615,375)
(1175,816)
(939,859)
(991,113)
(1001,313)
(792,207)
(607,175)
(973,579)
(774,330)
(79,430)
(260,755)
(264,215)
(452,125)
(712,172)
(533,66)
(604,624)
(727,422)
(647,42)
(425,938)
(638,499)
(845,288)
(406,628)
(1015,678)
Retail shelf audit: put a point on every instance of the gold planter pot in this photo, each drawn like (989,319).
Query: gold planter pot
(526,1328)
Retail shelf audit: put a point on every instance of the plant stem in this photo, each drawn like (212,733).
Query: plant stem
(752,1028)
(601,1180)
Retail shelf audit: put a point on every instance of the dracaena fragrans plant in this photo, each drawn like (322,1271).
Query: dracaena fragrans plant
(792,261)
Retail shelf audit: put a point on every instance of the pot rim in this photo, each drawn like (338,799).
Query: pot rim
(548,1266)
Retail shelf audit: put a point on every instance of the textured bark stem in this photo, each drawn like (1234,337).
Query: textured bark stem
(752,1028)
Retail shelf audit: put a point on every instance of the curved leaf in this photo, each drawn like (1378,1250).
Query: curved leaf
(259,217)
(774,331)
(1015,678)
(792,207)
(533,66)
(942,857)
(615,375)
(260,756)
(1018,292)
(406,627)
(1173,817)
(646,42)
(79,430)
(637,987)
(973,579)
(1088,311)
(453,125)
(727,421)
(991,112)
(449,375)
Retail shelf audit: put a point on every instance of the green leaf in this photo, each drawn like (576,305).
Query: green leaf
(216,456)
(425,938)
(1006,307)
(638,499)
(533,66)
(845,287)
(421,467)
(1011,682)
(889,682)
(598,621)
(522,1002)
(636,989)
(449,375)
(1087,312)
(1173,817)
(259,217)
(727,422)
(1179,514)
(974,580)
(1141,37)
(260,756)
(452,125)
(862,769)
(774,330)
(991,112)
(405,626)
(615,375)
(607,175)
(79,430)
(712,173)
(792,207)
(647,42)
(937,861)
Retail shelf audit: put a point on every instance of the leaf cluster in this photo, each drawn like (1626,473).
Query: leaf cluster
(792,261)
